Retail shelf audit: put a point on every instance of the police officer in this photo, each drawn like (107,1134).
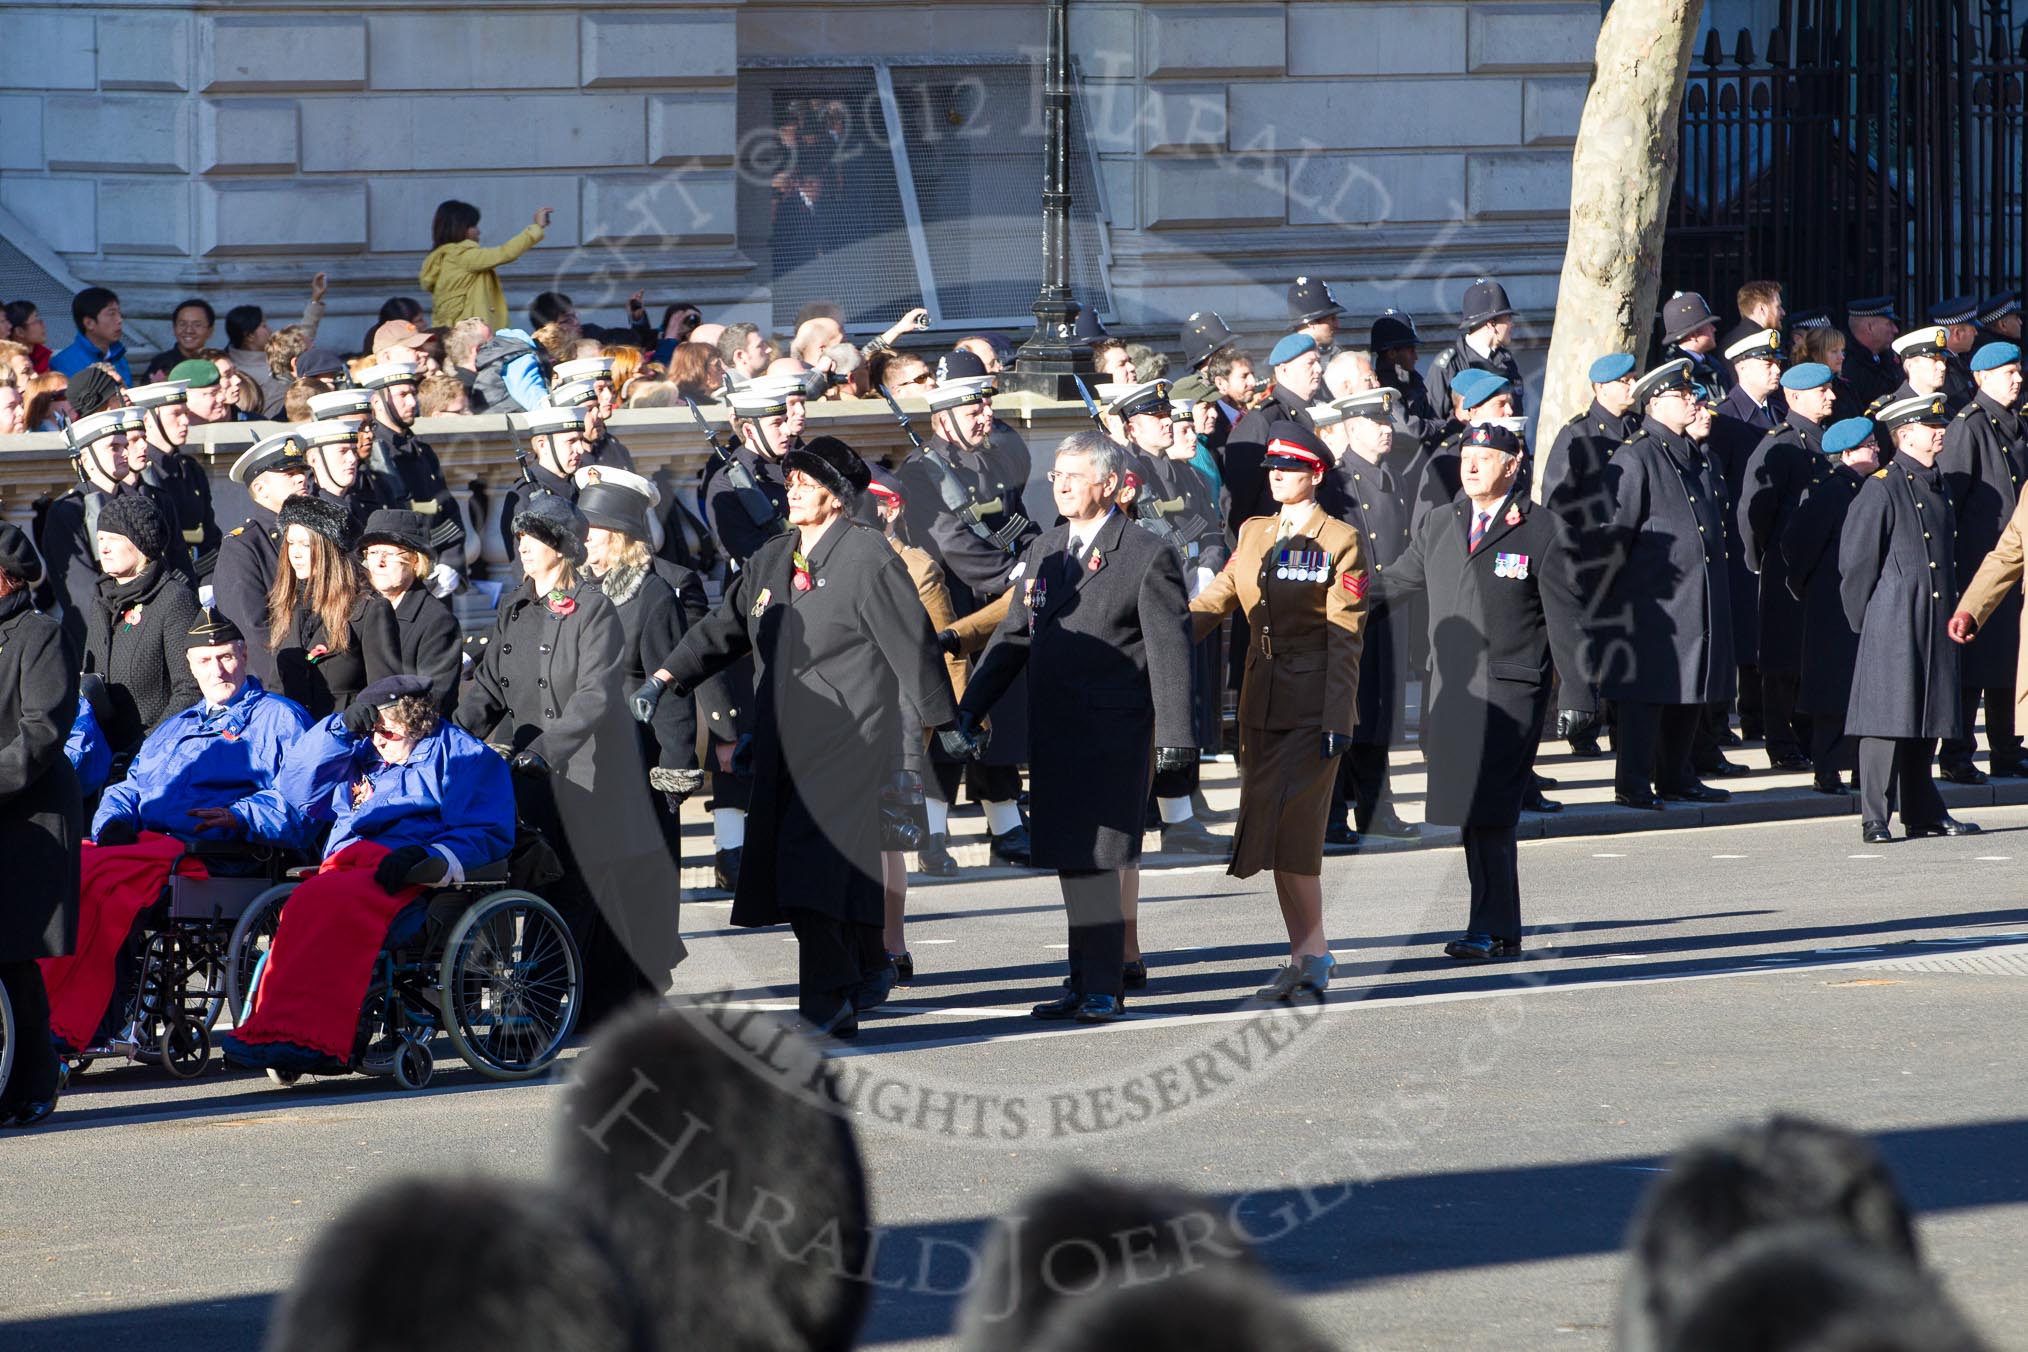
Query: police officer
(1504,612)
(1302,578)
(1483,330)
(1363,493)
(1900,587)
(1204,333)
(1314,311)
(1781,469)
(1985,463)
(1573,473)
(1871,367)
(272,471)
(1665,634)
(965,510)
(556,439)
(1298,376)
(1999,319)
(1393,341)
(403,469)
(1830,646)
(181,485)
(589,381)
(105,465)
(1690,333)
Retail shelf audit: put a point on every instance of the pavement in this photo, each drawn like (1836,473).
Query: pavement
(1441,1157)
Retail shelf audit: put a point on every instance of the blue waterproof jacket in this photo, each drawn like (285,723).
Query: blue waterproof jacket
(453,795)
(209,759)
(87,749)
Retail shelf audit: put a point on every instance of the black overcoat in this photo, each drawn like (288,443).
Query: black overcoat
(1573,473)
(41,808)
(1899,590)
(835,662)
(1502,618)
(654,622)
(1985,462)
(247,559)
(325,684)
(1106,651)
(1809,549)
(431,644)
(1781,469)
(1738,427)
(146,674)
(1663,628)
(1366,498)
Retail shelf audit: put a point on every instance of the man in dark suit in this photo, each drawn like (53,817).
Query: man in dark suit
(1985,462)
(1100,626)
(1665,630)
(1501,577)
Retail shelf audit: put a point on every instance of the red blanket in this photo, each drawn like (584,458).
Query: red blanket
(321,960)
(116,883)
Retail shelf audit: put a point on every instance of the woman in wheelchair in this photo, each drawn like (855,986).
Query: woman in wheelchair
(193,779)
(411,802)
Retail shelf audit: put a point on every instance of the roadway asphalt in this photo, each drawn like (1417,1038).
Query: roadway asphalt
(1453,1152)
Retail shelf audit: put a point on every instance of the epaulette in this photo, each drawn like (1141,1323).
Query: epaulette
(237,530)
(1967,411)
(1880,473)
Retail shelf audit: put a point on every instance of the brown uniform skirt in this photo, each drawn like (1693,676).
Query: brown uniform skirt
(1284,802)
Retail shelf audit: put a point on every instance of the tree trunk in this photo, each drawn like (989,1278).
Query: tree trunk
(1621,175)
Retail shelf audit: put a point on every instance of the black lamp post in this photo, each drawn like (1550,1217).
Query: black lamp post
(1050,357)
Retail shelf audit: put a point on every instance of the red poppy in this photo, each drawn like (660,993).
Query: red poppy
(319,652)
(560,604)
(801,581)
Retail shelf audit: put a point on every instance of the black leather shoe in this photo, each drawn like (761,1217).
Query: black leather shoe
(934,858)
(872,992)
(1727,737)
(1099,1009)
(1471,948)
(1134,976)
(1831,784)
(1962,774)
(1064,1006)
(725,870)
(1543,783)
(1534,801)
(2006,770)
(1012,849)
(904,967)
(1721,767)
(36,1111)
(1875,833)
(1386,823)
(1586,744)
(1949,826)
(1190,837)
(1788,760)
(1340,838)
(1695,793)
(1648,803)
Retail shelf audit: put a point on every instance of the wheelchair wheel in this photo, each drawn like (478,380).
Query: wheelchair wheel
(509,984)
(249,946)
(8,1038)
(185,1048)
(413,1066)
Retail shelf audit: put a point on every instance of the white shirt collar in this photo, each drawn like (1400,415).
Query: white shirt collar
(1082,536)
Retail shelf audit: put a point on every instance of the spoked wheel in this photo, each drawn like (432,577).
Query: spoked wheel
(251,939)
(510,985)
(413,1065)
(185,1048)
(8,1038)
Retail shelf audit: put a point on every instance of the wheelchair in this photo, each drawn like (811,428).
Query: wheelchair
(174,973)
(492,967)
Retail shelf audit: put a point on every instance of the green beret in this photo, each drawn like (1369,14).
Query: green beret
(202,375)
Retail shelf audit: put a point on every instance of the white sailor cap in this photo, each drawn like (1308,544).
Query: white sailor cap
(384,374)
(1928,341)
(549,418)
(1764,345)
(583,368)
(160,393)
(283,451)
(1327,415)
(1147,396)
(328,432)
(619,478)
(957,393)
(96,427)
(766,396)
(571,393)
(131,418)
(350,402)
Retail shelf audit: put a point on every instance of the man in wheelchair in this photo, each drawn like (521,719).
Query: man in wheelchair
(411,802)
(192,780)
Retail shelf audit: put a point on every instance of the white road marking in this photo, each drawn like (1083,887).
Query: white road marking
(1728,856)
(1992,858)
(1609,856)
(1862,856)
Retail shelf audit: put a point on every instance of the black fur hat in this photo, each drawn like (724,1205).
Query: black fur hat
(833,464)
(327,519)
(556,522)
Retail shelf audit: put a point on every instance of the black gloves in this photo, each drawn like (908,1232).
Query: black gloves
(528,763)
(1168,758)
(961,739)
(360,717)
(119,831)
(1333,744)
(675,785)
(1574,723)
(742,754)
(408,866)
(947,642)
(904,820)
(646,698)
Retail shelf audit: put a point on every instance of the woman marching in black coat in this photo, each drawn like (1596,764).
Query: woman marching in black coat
(396,549)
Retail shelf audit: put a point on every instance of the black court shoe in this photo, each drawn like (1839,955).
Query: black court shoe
(1962,774)
(1134,975)
(904,967)
(1340,839)
(725,869)
(1536,801)
(1012,848)
(36,1111)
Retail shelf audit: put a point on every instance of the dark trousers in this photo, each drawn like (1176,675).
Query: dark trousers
(1830,749)
(1651,746)
(1784,727)
(1098,930)
(1894,772)
(2002,746)
(1754,720)
(1361,783)
(35,1065)
(983,783)
(1493,864)
(832,957)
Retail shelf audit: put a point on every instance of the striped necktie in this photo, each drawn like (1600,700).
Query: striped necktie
(1479,524)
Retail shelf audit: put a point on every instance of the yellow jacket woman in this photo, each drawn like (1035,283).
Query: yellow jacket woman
(460,272)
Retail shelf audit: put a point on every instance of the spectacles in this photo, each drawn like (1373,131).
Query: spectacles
(386,556)
(1070,476)
(384,733)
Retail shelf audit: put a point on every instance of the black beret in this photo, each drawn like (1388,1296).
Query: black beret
(327,519)
(556,522)
(390,688)
(90,390)
(135,517)
(19,558)
(833,464)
